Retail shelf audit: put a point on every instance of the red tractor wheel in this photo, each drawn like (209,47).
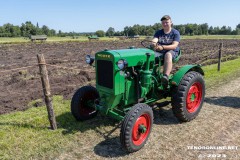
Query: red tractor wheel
(194,97)
(136,127)
(82,104)
(188,97)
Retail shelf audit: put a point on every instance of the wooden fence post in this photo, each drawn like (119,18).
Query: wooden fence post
(46,90)
(220,56)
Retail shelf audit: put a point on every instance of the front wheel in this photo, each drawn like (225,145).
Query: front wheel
(188,97)
(136,127)
(82,104)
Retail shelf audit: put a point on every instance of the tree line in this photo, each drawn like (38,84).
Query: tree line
(26,29)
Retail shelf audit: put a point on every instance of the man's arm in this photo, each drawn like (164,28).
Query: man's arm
(155,40)
(171,46)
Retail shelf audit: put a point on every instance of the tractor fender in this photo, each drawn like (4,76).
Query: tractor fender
(177,77)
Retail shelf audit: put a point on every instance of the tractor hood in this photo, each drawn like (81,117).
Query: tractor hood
(134,57)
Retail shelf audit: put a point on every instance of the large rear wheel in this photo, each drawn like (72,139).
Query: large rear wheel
(82,104)
(136,127)
(188,97)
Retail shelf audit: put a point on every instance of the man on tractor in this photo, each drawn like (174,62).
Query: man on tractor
(165,42)
(129,82)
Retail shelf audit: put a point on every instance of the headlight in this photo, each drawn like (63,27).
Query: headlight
(122,64)
(89,59)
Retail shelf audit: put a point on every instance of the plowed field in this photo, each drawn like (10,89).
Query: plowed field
(19,74)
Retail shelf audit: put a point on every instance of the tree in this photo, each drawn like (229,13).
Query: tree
(238,31)
(45,30)
(210,30)
(28,29)
(130,31)
(61,34)
(16,31)
(196,30)
(157,26)
(1,31)
(238,26)
(189,29)
(180,28)
(8,30)
(126,30)
(110,32)
(148,31)
(204,28)
(52,32)
(100,33)
(136,29)
(38,30)
(118,33)
(225,30)
(31,28)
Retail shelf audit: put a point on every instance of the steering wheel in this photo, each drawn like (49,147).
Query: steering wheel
(148,44)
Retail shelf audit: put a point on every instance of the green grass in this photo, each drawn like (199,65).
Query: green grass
(228,71)
(212,37)
(6,40)
(25,135)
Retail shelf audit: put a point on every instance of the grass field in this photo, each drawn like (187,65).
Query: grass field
(5,40)
(83,38)
(212,37)
(25,135)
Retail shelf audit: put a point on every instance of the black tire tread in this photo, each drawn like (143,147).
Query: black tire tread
(179,97)
(75,102)
(128,122)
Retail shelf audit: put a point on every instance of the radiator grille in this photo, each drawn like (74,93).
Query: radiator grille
(105,73)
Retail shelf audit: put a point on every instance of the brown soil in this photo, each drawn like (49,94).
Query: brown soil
(19,74)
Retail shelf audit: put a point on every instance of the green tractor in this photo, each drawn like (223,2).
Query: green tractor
(128,84)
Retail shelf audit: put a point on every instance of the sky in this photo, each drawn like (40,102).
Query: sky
(93,15)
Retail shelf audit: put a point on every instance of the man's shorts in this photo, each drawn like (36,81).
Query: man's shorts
(174,54)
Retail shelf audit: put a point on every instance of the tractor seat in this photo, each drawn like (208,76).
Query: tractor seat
(178,57)
(161,58)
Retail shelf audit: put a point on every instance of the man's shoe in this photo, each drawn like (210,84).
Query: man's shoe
(164,81)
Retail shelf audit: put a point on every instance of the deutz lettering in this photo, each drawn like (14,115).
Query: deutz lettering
(104,56)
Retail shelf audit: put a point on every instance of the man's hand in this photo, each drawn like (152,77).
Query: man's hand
(158,47)
(152,46)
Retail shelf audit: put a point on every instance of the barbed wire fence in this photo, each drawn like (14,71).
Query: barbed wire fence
(216,56)
(45,83)
(220,52)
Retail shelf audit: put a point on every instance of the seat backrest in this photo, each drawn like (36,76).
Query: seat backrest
(178,57)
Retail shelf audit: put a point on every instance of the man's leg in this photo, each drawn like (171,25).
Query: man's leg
(167,68)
